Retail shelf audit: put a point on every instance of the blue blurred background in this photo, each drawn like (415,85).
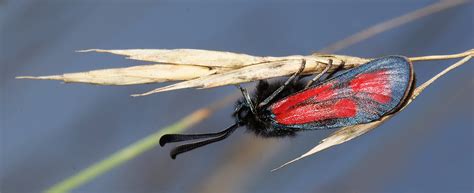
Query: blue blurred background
(50,131)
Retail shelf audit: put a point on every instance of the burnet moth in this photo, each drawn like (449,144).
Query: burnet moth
(360,95)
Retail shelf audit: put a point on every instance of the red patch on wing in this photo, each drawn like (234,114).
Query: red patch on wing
(343,108)
(375,84)
(320,93)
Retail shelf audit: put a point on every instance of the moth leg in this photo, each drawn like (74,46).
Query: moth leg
(340,67)
(328,66)
(248,101)
(277,91)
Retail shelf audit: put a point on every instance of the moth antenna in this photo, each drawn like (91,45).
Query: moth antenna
(171,138)
(188,147)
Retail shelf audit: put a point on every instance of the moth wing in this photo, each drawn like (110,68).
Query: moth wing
(360,95)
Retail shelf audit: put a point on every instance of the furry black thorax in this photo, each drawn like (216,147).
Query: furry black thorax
(259,122)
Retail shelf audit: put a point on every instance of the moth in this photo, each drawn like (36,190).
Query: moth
(360,95)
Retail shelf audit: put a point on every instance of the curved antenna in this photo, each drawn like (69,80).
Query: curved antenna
(188,147)
(171,138)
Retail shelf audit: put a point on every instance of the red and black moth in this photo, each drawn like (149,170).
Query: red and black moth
(360,95)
